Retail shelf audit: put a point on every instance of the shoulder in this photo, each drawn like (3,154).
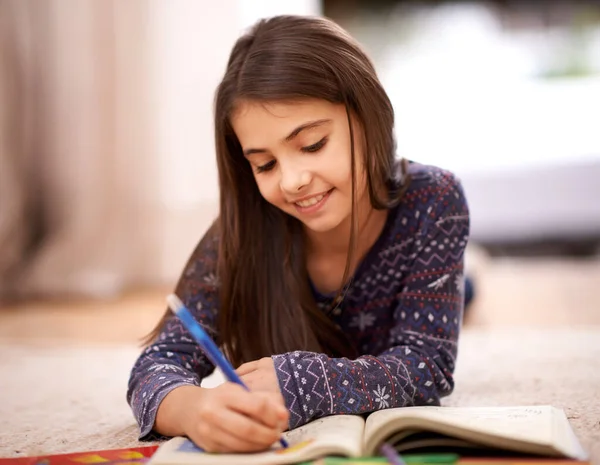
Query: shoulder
(431,212)
(431,183)
(432,194)
(200,271)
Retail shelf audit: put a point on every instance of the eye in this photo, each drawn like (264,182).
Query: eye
(315,147)
(266,167)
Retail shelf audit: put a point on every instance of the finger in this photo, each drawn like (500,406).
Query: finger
(214,440)
(266,408)
(229,443)
(251,381)
(274,397)
(266,362)
(247,430)
(261,381)
(244,409)
(281,410)
(247,368)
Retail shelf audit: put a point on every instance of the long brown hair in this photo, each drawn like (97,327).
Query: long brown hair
(266,304)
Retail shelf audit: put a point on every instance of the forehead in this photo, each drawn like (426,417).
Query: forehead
(260,121)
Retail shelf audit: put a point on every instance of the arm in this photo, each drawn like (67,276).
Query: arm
(416,367)
(173,359)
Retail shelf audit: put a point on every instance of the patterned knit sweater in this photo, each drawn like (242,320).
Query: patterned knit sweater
(403,311)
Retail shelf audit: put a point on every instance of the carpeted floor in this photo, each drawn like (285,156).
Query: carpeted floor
(532,337)
(72,398)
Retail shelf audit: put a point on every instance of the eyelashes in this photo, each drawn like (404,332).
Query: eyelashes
(266,167)
(308,149)
(315,147)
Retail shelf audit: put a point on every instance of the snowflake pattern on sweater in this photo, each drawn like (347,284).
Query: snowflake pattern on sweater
(402,310)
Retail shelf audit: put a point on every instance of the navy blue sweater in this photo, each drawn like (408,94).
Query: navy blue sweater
(403,311)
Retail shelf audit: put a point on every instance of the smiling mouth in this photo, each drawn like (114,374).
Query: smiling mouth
(312,201)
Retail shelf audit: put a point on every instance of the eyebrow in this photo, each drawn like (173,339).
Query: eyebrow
(294,133)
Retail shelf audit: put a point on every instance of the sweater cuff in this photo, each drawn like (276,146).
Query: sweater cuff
(303,382)
(147,417)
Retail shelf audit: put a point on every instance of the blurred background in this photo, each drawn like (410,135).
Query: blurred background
(107,170)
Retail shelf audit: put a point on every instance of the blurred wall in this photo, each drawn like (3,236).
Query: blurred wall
(506,95)
(191,45)
(107,171)
(66,197)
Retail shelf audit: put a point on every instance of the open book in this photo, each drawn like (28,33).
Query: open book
(536,430)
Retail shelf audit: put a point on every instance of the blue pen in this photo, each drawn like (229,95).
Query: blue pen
(207,345)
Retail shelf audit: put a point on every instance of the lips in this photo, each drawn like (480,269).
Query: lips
(312,201)
(312,204)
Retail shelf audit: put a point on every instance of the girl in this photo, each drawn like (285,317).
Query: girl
(333,276)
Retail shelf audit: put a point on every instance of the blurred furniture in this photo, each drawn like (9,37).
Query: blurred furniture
(537,209)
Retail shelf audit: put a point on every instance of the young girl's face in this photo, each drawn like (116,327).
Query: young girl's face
(300,157)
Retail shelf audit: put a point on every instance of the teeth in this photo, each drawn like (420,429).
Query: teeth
(310,202)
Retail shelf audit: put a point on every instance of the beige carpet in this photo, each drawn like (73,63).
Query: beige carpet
(66,399)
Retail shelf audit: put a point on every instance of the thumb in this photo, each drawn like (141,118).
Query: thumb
(246,368)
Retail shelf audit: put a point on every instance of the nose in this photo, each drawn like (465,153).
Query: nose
(294,179)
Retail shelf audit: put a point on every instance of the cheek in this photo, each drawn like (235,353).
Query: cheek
(340,165)
(335,168)
(342,173)
(344,180)
(268,188)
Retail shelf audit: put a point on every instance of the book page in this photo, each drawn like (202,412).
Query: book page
(336,429)
(518,426)
(334,435)
(564,437)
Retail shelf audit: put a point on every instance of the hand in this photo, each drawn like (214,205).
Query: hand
(260,375)
(226,418)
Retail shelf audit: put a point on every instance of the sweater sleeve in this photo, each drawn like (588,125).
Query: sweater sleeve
(174,359)
(416,365)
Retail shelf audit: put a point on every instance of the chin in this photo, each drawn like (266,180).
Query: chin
(322,225)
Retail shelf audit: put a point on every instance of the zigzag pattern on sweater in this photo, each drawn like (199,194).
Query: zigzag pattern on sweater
(402,311)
